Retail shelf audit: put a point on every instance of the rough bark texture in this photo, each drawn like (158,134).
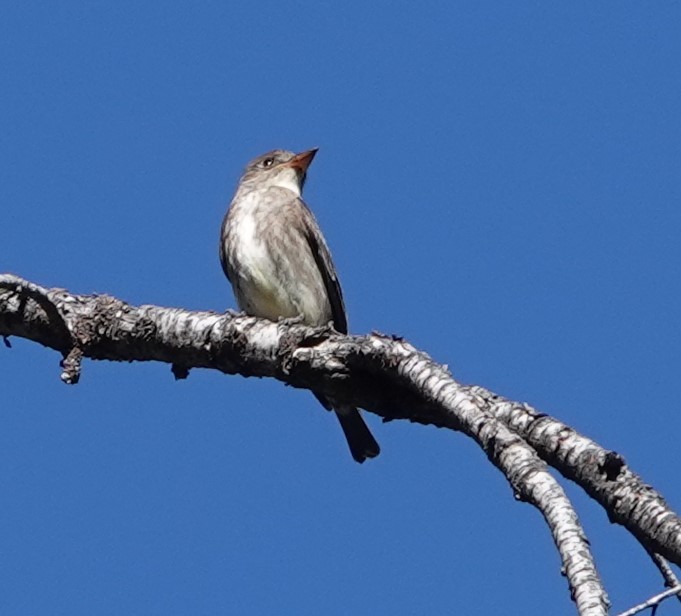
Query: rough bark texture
(382,374)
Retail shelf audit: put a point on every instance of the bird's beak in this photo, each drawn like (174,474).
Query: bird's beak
(302,161)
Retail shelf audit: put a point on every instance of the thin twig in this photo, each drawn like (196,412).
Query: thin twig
(670,578)
(652,602)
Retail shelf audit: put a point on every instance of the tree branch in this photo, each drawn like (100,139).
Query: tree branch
(652,602)
(603,474)
(382,374)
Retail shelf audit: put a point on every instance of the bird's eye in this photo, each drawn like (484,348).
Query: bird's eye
(268,162)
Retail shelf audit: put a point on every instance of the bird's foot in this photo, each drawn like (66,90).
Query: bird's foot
(297,320)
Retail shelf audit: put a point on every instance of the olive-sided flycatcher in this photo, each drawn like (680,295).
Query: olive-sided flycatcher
(275,256)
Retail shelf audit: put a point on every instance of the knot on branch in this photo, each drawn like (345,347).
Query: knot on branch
(612,465)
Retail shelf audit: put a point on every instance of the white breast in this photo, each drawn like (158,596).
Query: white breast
(257,288)
(266,282)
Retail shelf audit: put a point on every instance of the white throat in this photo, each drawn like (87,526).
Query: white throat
(287,182)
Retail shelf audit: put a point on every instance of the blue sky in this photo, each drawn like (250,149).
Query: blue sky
(498,182)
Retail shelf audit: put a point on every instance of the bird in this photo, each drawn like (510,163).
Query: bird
(279,265)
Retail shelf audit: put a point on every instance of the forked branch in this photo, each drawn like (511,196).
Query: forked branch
(382,374)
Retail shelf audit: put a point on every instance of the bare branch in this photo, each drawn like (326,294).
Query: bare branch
(382,374)
(652,602)
(29,290)
(603,474)
(670,578)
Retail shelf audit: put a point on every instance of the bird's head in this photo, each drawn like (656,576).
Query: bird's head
(278,168)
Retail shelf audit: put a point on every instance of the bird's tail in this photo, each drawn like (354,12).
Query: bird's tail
(360,440)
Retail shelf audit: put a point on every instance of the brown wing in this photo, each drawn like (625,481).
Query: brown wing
(322,257)
(223,247)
